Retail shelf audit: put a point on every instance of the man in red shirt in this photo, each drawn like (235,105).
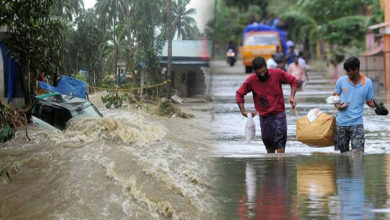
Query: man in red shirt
(266,87)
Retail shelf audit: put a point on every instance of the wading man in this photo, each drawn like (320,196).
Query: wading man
(268,98)
(354,90)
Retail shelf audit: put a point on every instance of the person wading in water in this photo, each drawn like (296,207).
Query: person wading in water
(266,86)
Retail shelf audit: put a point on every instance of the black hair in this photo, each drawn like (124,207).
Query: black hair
(258,62)
(351,63)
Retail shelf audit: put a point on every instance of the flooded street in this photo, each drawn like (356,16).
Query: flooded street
(128,165)
(305,182)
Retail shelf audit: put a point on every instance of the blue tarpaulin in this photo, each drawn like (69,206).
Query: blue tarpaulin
(67,86)
(10,71)
(262,27)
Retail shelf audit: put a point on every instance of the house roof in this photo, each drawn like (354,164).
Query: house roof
(188,53)
(373,52)
(376,26)
(189,48)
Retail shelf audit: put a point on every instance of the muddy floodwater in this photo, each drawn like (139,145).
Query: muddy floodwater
(306,182)
(131,164)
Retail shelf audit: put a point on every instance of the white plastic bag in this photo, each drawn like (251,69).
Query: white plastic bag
(333,99)
(250,128)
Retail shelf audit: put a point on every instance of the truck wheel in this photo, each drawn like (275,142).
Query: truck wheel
(248,69)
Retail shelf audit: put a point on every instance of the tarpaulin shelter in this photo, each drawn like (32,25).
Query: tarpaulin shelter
(11,71)
(67,86)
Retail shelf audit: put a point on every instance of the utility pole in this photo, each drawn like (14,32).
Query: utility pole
(170,37)
(214,28)
(387,44)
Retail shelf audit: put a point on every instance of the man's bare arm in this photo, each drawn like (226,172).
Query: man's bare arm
(292,97)
(243,112)
(371,103)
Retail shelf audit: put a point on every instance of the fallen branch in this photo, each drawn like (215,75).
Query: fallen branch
(16,118)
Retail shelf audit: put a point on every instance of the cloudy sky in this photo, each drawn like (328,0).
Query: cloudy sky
(204,9)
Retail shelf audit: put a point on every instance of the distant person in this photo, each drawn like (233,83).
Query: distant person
(57,79)
(279,58)
(268,98)
(290,56)
(232,46)
(252,21)
(297,70)
(302,61)
(299,47)
(354,89)
(290,43)
(271,62)
(40,76)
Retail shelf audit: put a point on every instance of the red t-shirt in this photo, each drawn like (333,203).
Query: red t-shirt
(268,95)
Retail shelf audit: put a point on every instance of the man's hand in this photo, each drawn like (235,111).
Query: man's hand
(246,114)
(293,102)
(341,107)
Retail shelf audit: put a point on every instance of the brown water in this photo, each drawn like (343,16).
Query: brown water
(127,165)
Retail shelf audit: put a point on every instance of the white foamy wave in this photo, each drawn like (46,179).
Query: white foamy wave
(119,129)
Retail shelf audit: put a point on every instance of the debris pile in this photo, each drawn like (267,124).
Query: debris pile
(167,108)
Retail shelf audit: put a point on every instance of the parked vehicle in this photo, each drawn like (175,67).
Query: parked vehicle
(260,40)
(54,111)
(231,57)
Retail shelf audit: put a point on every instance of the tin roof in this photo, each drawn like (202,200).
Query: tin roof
(189,48)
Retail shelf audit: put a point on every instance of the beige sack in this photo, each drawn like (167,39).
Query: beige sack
(319,133)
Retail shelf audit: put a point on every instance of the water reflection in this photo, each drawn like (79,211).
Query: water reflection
(350,173)
(270,200)
(324,186)
(316,185)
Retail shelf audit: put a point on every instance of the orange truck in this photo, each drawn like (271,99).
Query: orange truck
(260,40)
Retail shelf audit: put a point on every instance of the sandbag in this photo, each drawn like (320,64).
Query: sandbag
(316,130)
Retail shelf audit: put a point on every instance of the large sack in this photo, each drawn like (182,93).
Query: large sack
(316,129)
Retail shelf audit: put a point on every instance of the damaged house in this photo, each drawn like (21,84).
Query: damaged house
(190,64)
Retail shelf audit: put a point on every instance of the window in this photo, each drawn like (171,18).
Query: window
(261,39)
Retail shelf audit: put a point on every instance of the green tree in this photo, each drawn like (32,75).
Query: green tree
(110,11)
(89,40)
(244,5)
(34,37)
(184,25)
(67,8)
(229,24)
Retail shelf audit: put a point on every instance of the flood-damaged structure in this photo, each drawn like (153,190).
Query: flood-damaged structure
(190,63)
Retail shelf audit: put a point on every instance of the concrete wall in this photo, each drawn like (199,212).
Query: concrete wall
(373,67)
(189,81)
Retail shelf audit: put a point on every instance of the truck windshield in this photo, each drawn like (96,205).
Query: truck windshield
(260,39)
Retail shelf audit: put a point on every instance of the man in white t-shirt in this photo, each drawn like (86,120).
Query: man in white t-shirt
(271,63)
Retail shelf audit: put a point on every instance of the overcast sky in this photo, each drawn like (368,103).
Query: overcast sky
(204,9)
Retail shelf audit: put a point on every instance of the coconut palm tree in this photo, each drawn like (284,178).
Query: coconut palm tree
(184,25)
(109,11)
(67,8)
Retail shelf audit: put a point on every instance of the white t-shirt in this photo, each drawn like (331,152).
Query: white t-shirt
(271,63)
(302,62)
